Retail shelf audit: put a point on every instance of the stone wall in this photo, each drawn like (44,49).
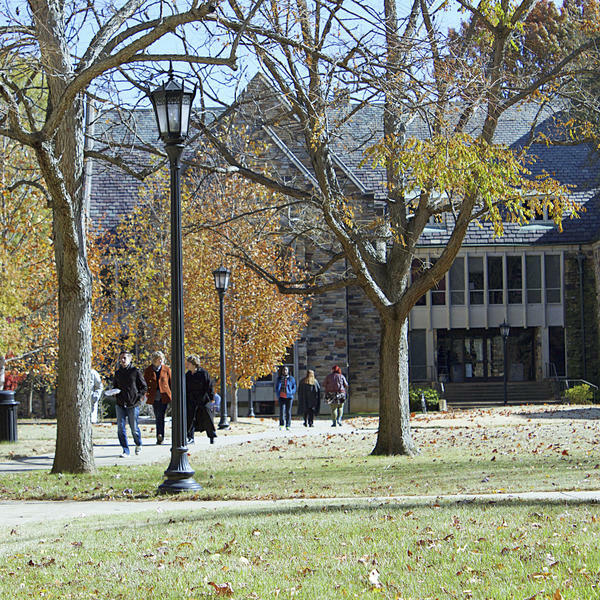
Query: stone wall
(326,335)
(364,352)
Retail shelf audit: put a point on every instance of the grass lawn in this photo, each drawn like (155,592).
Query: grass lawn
(469,453)
(356,548)
(390,550)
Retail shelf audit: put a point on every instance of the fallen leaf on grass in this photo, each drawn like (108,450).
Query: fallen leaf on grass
(374,579)
(557,595)
(223,589)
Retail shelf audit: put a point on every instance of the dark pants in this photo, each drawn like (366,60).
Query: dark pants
(191,408)
(309,415)
(285,411)
(125,415)
(159,414)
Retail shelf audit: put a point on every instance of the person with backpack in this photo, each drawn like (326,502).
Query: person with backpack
(336,389)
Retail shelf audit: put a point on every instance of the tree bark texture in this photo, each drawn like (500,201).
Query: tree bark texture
(394,436)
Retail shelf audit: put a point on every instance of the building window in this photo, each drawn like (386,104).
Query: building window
(553,279)
(556,346)
(457,281)
(417,355)
(416,269)
(533,275)
(475,280)
(495,280)
(438,291)
(514,275)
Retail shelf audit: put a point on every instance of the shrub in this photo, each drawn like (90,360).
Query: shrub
(579,394)
(432,398)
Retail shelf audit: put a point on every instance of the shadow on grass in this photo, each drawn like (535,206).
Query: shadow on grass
(590,413)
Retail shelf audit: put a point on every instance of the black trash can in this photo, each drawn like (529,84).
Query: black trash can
(8,416)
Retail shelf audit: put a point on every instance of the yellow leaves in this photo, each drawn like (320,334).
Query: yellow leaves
(459,166)
(260,323)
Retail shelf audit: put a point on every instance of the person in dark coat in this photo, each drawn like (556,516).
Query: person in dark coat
(309,395)
(158,380)
(132,388)
(199,394)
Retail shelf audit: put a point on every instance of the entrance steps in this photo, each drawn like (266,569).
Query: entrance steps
(491,393)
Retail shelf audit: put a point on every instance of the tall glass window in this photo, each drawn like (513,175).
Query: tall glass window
(417,354)
(533,276)
(495,280)
(438,291)
(475,279)
(514,275)
(553,279)
(457,281)
(416,269)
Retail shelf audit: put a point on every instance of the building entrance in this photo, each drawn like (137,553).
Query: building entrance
(478,355)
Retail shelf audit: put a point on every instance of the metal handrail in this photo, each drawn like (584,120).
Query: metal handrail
(570,382)
(580,382)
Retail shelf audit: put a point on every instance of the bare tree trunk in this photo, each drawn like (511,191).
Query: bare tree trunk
(30,398)
(74,451)
(233,417)
(65,180)
(394,436)
(2,371)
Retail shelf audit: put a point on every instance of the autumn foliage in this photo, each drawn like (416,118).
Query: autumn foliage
(260,323)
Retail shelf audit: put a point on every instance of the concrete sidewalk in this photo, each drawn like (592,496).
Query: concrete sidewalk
(18,512)
(107,450)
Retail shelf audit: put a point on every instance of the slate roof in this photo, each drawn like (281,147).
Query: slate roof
(114,193)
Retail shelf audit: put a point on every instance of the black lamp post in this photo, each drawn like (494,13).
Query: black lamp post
(172,104)
(221,276)
(504,331)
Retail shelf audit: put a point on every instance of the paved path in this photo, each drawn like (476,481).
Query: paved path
(107,450)
(18,512)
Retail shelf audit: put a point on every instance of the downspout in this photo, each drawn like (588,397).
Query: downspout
(90,117)
(580,258)
(347,408)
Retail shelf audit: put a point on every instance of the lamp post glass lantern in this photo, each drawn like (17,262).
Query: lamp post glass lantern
(172,103)
(221,276)
(504,332)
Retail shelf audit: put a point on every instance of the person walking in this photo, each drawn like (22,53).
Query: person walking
(309,395)
(97,388)
(285,388)
(199,394)
(131,385)
(158,380)
(336,390)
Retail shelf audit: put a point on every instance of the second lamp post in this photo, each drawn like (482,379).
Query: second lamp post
(221,276)
(504,331)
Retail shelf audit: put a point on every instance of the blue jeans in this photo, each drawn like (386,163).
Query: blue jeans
(128,414)
(285,411)
(159,414)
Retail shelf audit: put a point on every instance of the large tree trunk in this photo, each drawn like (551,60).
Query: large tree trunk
(61,162)
(394,435)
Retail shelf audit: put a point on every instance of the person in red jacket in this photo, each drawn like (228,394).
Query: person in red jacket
(158,380)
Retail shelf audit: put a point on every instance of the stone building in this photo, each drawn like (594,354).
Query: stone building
(542,282)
